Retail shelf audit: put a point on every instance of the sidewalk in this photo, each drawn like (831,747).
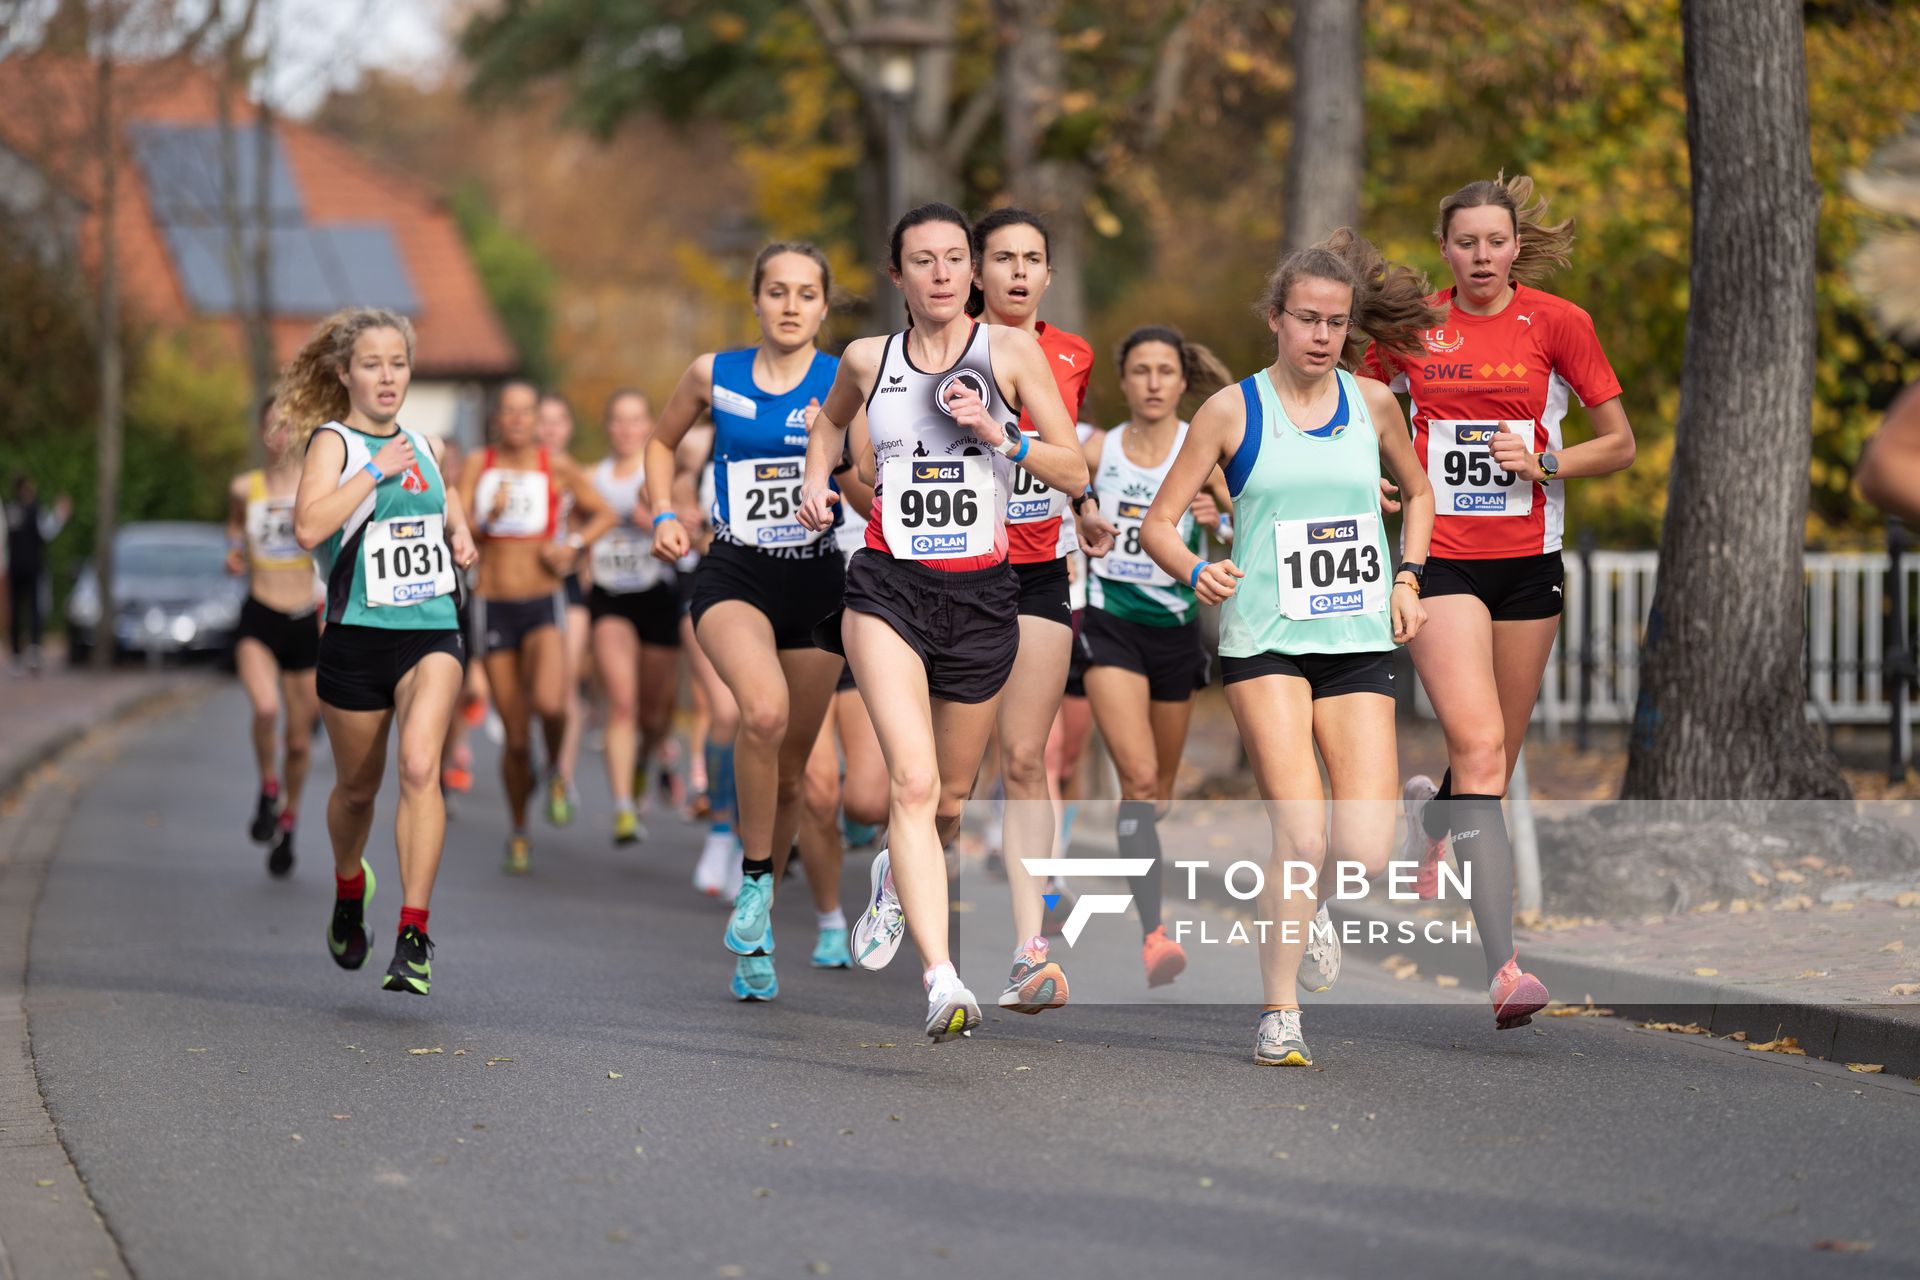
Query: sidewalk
(40,717)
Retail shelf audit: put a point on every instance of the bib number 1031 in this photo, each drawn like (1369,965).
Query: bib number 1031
(405,560)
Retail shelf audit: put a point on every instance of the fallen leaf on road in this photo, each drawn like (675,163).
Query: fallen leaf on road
(893,1117)
(435,1049)
(1281,1155)
(1757,878)
(1740,907)
(1841,906)
(1738,1035)
(1811,973)
(459,1053)
(1905,989)
(196,1051)
(1707,908)
(1866,1068)
(1587,1010)
(1784,1044)
(1896,946)
(1444,981)
(818,1268)
(1678,1028)
(346,1116)
(1023,1068)
(491,1061)
(43,1182)
(1706,973)
(763,1193)
(616,1237)
(1798,902)
(614,1075)
(1843,1246)
(1911,899)
(1812,863)
(1789,877)
(294,1137)
(639,1151)
(1206,1182)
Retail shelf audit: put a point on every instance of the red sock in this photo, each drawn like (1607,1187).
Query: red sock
(270,788)
(351,889)
(287,819)
(415,916)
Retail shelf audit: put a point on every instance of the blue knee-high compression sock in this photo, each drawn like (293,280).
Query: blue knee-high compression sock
(720,794)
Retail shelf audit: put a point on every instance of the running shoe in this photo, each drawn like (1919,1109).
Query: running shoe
(266,818)
(559,801)
(348,937)
(830,950)
(717,857)
(1277,1043)
(877,933)
(412,967)
(1322,967)
(1517,995)
(455,778)
(1035,983)
(1419,847)
(1163,957)
(749,928)
(627,828)
(519,856)
(754,980)
(951,1009)
(280,857)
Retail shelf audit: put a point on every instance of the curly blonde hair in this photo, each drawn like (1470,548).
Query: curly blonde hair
(310,393)
(1545,247)
(1390,304)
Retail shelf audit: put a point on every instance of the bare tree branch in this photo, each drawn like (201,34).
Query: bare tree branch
(1169,76)
(838,39)
(973,117)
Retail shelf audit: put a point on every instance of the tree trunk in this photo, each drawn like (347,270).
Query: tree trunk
(1032,81)
(1722,708)
(108,426)
(1326,163)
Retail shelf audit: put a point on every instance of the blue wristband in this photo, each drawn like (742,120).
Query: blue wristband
(664,515)
(377,474)
(1193,579)
(1025,444)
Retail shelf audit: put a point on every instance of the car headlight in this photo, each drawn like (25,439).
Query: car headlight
(216,615)
(83,606)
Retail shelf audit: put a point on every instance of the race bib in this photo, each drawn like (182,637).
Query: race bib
(270,528)
(938,508)
(1127,562)
(1032,499)
(763,502)
(527,497)
(1466,480)
(1330,568)
(404,560)
(623,562)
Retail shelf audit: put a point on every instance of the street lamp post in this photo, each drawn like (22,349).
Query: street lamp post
(894,39)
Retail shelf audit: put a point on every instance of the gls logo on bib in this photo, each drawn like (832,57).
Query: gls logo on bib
(1333,531)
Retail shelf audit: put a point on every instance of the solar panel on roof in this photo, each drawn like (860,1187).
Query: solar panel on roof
(369,270)
(183,168)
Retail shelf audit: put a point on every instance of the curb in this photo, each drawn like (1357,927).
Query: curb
(13,775)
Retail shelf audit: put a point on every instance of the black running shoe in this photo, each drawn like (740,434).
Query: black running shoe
(266,819)
(280,857)
(412,967)
(348,938)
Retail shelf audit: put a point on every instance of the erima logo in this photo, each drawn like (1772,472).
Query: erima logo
(776,471)
(1475,435)
(1336,602)
(1333,531)
(1131,511)
(401,529)
(1088,905)
(937,544)
(406,591)
(939,472)
(893,383)
(1479,502)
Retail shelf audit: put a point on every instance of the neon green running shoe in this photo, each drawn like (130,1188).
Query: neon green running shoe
(559,801)
(348,937)
(412,967)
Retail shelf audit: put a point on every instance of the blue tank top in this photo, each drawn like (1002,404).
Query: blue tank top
(754,425)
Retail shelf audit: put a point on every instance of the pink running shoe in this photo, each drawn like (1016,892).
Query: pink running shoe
(1429,853)
(1517,995)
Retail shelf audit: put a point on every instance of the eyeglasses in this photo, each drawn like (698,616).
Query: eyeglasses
(1335,324)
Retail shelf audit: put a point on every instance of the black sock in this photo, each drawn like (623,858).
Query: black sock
(1485,854)
(756,866)
(1438,814)
(1140,838)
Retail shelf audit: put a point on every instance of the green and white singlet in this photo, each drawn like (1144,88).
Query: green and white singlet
(1310,536)
(1126,582)
(389,565)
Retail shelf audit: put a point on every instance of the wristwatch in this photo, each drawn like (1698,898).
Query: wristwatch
(1417,569)
(1010,442)
(1086,495)
(1550,464)
(576,541)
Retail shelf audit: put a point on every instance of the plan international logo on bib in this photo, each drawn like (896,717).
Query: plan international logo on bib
(1336,602)
(1480,502)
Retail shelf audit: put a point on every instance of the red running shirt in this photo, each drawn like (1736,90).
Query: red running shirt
(1039,541)
(1520,367)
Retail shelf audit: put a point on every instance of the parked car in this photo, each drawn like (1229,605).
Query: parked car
(172,594)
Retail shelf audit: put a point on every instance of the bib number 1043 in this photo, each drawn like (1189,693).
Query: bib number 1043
(1330,568)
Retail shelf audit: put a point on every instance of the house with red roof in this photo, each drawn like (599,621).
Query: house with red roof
(341,229)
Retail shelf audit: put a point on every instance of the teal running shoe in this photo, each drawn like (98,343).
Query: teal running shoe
(830,950)
(348,937)
(749,928)
(858,835)
(754,980)
(412,967)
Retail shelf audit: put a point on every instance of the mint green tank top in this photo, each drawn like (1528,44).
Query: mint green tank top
(1309,533)
(420,492)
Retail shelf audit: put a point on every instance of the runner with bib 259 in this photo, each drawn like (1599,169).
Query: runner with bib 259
(1489,393)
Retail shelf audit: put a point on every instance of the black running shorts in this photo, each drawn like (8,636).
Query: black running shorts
(1043,591)
(1514,589)
(292,639)
(964,625)
(506,624)
(360,667)
(1328,675)
(793,594)
(1173,659)
(654,614)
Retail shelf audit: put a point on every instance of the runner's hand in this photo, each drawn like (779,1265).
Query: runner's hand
(816,507)
(811,412)
(1389,496)
(464,552)
(1096,531)
(970,412)
(395,456)
(1409,615)
(1205,509)
(236,561)
(559,558)
(1218,581)
(670,540)
(1510,454)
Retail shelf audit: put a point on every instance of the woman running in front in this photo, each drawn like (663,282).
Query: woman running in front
(513,488)
(553,427)
(389,536)
(1013,255)
(931,615)
(765,580)
(1308,620)
(1140,634)
(636,613)
(278,641)
(1490,392)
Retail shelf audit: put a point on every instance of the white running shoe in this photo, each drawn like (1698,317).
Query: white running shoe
(719,865)
(951,1009)
(1322,968)
(877,933)
(1277,1041)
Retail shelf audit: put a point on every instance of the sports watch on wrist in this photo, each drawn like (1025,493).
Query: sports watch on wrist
(1550,464)
(1417,569)
(1010,442)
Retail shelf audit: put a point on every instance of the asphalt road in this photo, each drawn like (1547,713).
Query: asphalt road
(599,1106)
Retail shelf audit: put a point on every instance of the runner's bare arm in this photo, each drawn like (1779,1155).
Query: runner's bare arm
(691,398)
(1889,470)
(237,526)
(1396,453)
(827,437)
(324,501)
(1212,437)
(1055,457)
